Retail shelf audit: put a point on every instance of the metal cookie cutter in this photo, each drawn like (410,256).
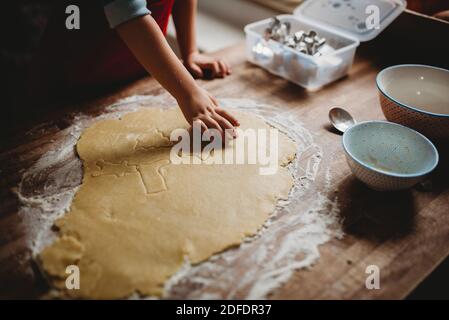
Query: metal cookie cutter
(278,30)
(309,43)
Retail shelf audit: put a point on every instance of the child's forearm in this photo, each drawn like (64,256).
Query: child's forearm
(184,18)
(145,39)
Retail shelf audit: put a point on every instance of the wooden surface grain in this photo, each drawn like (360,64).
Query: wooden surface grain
(406,234)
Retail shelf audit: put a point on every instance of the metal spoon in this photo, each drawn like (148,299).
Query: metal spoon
(341,119)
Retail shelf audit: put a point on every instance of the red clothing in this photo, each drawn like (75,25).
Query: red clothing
(94,55)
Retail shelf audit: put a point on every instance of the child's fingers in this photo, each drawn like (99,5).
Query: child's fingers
(216,72)
(225,124)
(227,116)
(196,124)
(212,124)
(224,67)
(196,70)
(200,124)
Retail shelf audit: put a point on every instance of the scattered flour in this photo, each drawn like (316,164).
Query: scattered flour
(288,241)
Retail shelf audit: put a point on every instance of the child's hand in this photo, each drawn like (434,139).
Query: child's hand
(202,66)
(202,108)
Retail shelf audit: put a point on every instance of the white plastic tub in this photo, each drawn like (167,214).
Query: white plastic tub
(307,71)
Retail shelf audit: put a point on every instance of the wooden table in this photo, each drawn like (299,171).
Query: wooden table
(406,234)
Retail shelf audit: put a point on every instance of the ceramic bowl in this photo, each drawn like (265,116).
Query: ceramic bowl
(416,96)
(387,156)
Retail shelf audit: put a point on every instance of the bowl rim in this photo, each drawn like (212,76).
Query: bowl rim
(403,104)
(389,173)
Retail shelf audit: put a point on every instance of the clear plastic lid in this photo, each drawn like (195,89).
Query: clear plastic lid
(362,19)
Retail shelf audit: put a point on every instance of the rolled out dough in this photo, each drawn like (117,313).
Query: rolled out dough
(137,216)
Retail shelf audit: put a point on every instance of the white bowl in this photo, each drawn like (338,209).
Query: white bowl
(416,96)
(387,156)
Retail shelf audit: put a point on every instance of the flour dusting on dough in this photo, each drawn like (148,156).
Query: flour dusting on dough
(288,242)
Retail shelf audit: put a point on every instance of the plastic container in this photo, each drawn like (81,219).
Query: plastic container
(341,22)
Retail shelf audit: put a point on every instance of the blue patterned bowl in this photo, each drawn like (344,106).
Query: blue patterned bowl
(387,156)
(416,96)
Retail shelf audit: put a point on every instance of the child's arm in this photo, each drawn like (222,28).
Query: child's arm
(184,17)
(145,39)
